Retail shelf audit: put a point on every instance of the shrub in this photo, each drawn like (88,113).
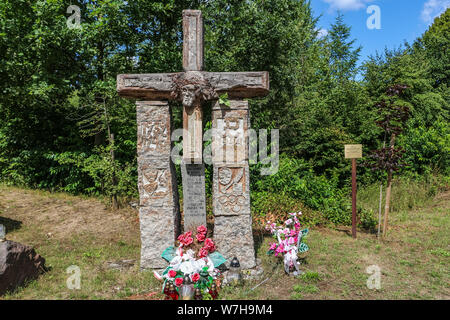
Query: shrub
(296,181)
(428,149)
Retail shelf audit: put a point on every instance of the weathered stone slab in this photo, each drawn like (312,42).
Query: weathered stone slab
(194,203)
(18,264)
(161,86)
(158,225)
(240,84)
(159,212)
(192,40)
(233,237)
(231,182)
(230,133)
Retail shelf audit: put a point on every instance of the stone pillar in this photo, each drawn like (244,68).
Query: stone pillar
(231,182)
(159,212)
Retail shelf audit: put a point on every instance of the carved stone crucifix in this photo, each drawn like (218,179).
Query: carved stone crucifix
(193,87)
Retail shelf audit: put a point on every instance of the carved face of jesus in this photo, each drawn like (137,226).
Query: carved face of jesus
(188,95)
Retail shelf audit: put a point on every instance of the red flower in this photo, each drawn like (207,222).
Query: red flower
(186,238)
(202,230)
(200,237)
(188,241)
(203,252)
(195,277)
(209,244)
(178,281)
(172,273)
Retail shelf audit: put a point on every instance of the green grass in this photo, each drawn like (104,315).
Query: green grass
(413,258)
(406,194)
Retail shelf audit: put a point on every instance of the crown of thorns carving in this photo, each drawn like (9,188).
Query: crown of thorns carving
(191,88)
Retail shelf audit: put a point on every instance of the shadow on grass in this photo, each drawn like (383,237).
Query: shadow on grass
(10,224)
(348,231)
(258,238)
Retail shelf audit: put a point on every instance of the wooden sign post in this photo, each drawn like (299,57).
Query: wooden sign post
(353,151)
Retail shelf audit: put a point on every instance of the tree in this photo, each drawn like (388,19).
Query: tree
(388,159)
(342,57)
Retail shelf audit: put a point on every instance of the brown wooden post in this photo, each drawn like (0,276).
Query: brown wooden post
(354,198)
(388,192)
(353,151)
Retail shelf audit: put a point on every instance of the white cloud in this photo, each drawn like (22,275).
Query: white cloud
(347,4)
(433,9)
(322,33)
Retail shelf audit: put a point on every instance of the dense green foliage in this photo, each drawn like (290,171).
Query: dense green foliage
(58,105)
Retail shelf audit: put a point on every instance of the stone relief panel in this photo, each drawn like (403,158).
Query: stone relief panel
(230,137)
(231,191)
(155,186)
(153,137)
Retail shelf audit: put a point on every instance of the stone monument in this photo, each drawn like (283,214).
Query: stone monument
(159,212)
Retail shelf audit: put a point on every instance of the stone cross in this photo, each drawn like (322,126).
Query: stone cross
(157,185)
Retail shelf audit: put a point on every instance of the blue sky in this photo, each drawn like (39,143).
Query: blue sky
(400,20)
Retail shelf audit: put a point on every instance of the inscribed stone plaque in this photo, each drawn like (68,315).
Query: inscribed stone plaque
(194,203)
(159,212)
(353,151)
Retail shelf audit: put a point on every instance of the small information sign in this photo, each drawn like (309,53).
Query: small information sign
(353,151)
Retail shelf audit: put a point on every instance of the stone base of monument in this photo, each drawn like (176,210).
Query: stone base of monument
(255,273)
(18,264)
(234,238)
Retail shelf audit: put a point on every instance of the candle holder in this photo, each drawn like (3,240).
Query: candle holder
(213,291)
(187,290)
(198,294)
(173,292)
(234,275)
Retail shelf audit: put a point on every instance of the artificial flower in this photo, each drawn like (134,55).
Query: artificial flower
(209,245)
(187,267)
(203,252)
(175,262)
(201,237)
(195,277)
(178,281)
(186,238)
(189,255)
(172,273)
(201,229)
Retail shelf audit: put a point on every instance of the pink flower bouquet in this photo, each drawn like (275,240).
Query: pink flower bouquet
(289,243)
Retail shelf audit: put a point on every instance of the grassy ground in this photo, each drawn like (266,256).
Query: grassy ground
(67,230)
